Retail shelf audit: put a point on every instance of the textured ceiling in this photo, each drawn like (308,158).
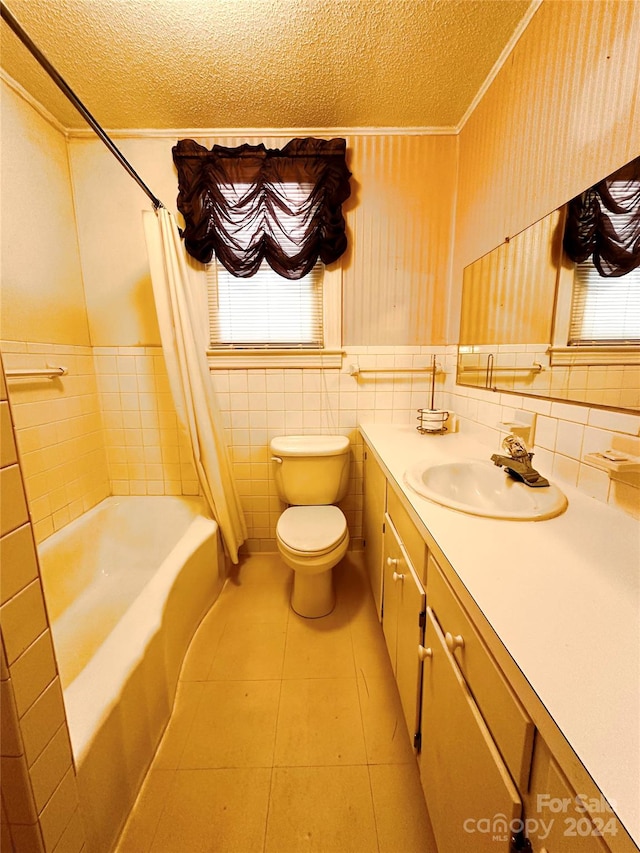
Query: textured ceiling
(262,63)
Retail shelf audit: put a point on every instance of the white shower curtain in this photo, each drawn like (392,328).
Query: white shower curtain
(181,310)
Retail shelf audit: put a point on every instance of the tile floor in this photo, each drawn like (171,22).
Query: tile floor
(287,734)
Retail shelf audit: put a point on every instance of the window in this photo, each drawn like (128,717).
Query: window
(597,320)
(268,225)
(604,311)
(265,318)
(597,317)
(265,310)
(270,321)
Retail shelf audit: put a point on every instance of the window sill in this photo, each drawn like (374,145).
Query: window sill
(594,355)
(273,358)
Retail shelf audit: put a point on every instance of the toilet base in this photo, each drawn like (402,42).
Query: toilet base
(312,596)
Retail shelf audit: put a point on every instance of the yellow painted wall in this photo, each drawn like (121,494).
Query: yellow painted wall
(42,293)
(400,221)
(562,113)
(397,275)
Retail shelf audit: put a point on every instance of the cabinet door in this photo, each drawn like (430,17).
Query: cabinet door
(470,796)
(409,635)
(375,489)
(394,567)
(558,818)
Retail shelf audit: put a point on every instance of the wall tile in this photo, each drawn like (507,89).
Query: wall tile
(13,506)
(59,811)
(16,790)
(567,412)
(6,844)
(10,740)
(72,839)
(615,421)
(42,720)
(8,454)
(23,618)
(625,497)
(50,767)
(33,671)
(27,838)
(594,482)
(546,429)
(60,437)
(569,439)
(18,560)
(4,666)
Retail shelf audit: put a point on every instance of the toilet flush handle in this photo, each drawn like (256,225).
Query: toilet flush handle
(277,459)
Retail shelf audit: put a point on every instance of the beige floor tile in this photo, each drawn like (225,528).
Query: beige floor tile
(141,826)
(261,570)
(336,710)
(352,586)
(266,597)
(369,649)
(221,811)
(319,723)
(204,644)
(397,793)
(234,726)
(249,650)
(319,648)
(175,736)
(321,809)
(385,731)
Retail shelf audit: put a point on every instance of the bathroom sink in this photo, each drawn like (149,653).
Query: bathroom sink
(481,488)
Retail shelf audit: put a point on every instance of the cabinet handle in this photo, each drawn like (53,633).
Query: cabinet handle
(397,576)
(392,561)
(424,653)
(454,643)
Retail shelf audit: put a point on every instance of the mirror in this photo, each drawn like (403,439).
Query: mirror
(516,302)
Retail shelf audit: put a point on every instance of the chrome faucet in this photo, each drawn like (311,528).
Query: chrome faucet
(518,463)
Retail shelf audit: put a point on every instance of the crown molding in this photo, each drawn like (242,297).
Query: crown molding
(263,132)
(37,106)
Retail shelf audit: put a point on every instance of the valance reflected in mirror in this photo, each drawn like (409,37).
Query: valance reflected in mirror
(555,311)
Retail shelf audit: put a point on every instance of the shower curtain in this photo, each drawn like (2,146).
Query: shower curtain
(181,309)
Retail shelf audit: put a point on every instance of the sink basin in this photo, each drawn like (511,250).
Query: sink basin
(481,488)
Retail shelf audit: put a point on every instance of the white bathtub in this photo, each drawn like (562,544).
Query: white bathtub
(126,586)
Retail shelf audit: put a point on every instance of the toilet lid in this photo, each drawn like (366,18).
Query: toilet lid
(311,529)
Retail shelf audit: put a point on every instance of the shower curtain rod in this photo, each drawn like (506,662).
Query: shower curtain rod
(75,100)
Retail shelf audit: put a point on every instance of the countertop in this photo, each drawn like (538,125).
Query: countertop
(563,597)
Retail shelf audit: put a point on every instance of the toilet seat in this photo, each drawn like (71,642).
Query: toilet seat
(311,530)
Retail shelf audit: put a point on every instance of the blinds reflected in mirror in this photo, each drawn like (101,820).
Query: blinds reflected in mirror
(604,310)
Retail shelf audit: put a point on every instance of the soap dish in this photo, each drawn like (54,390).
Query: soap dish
(614,462)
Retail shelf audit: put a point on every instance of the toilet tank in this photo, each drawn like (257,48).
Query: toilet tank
(311,469)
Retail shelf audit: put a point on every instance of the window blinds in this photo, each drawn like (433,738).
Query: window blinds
(265,310)
(604,310)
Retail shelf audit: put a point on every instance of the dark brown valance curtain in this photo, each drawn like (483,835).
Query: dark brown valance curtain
(251,203)
(604,221)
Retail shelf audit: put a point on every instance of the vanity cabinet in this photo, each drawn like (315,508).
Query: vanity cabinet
(470,795)
(561,820)
(506,719)
(489,754)
(375,490)
(403,615)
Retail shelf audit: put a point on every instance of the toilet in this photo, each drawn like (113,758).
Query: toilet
(311,474)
